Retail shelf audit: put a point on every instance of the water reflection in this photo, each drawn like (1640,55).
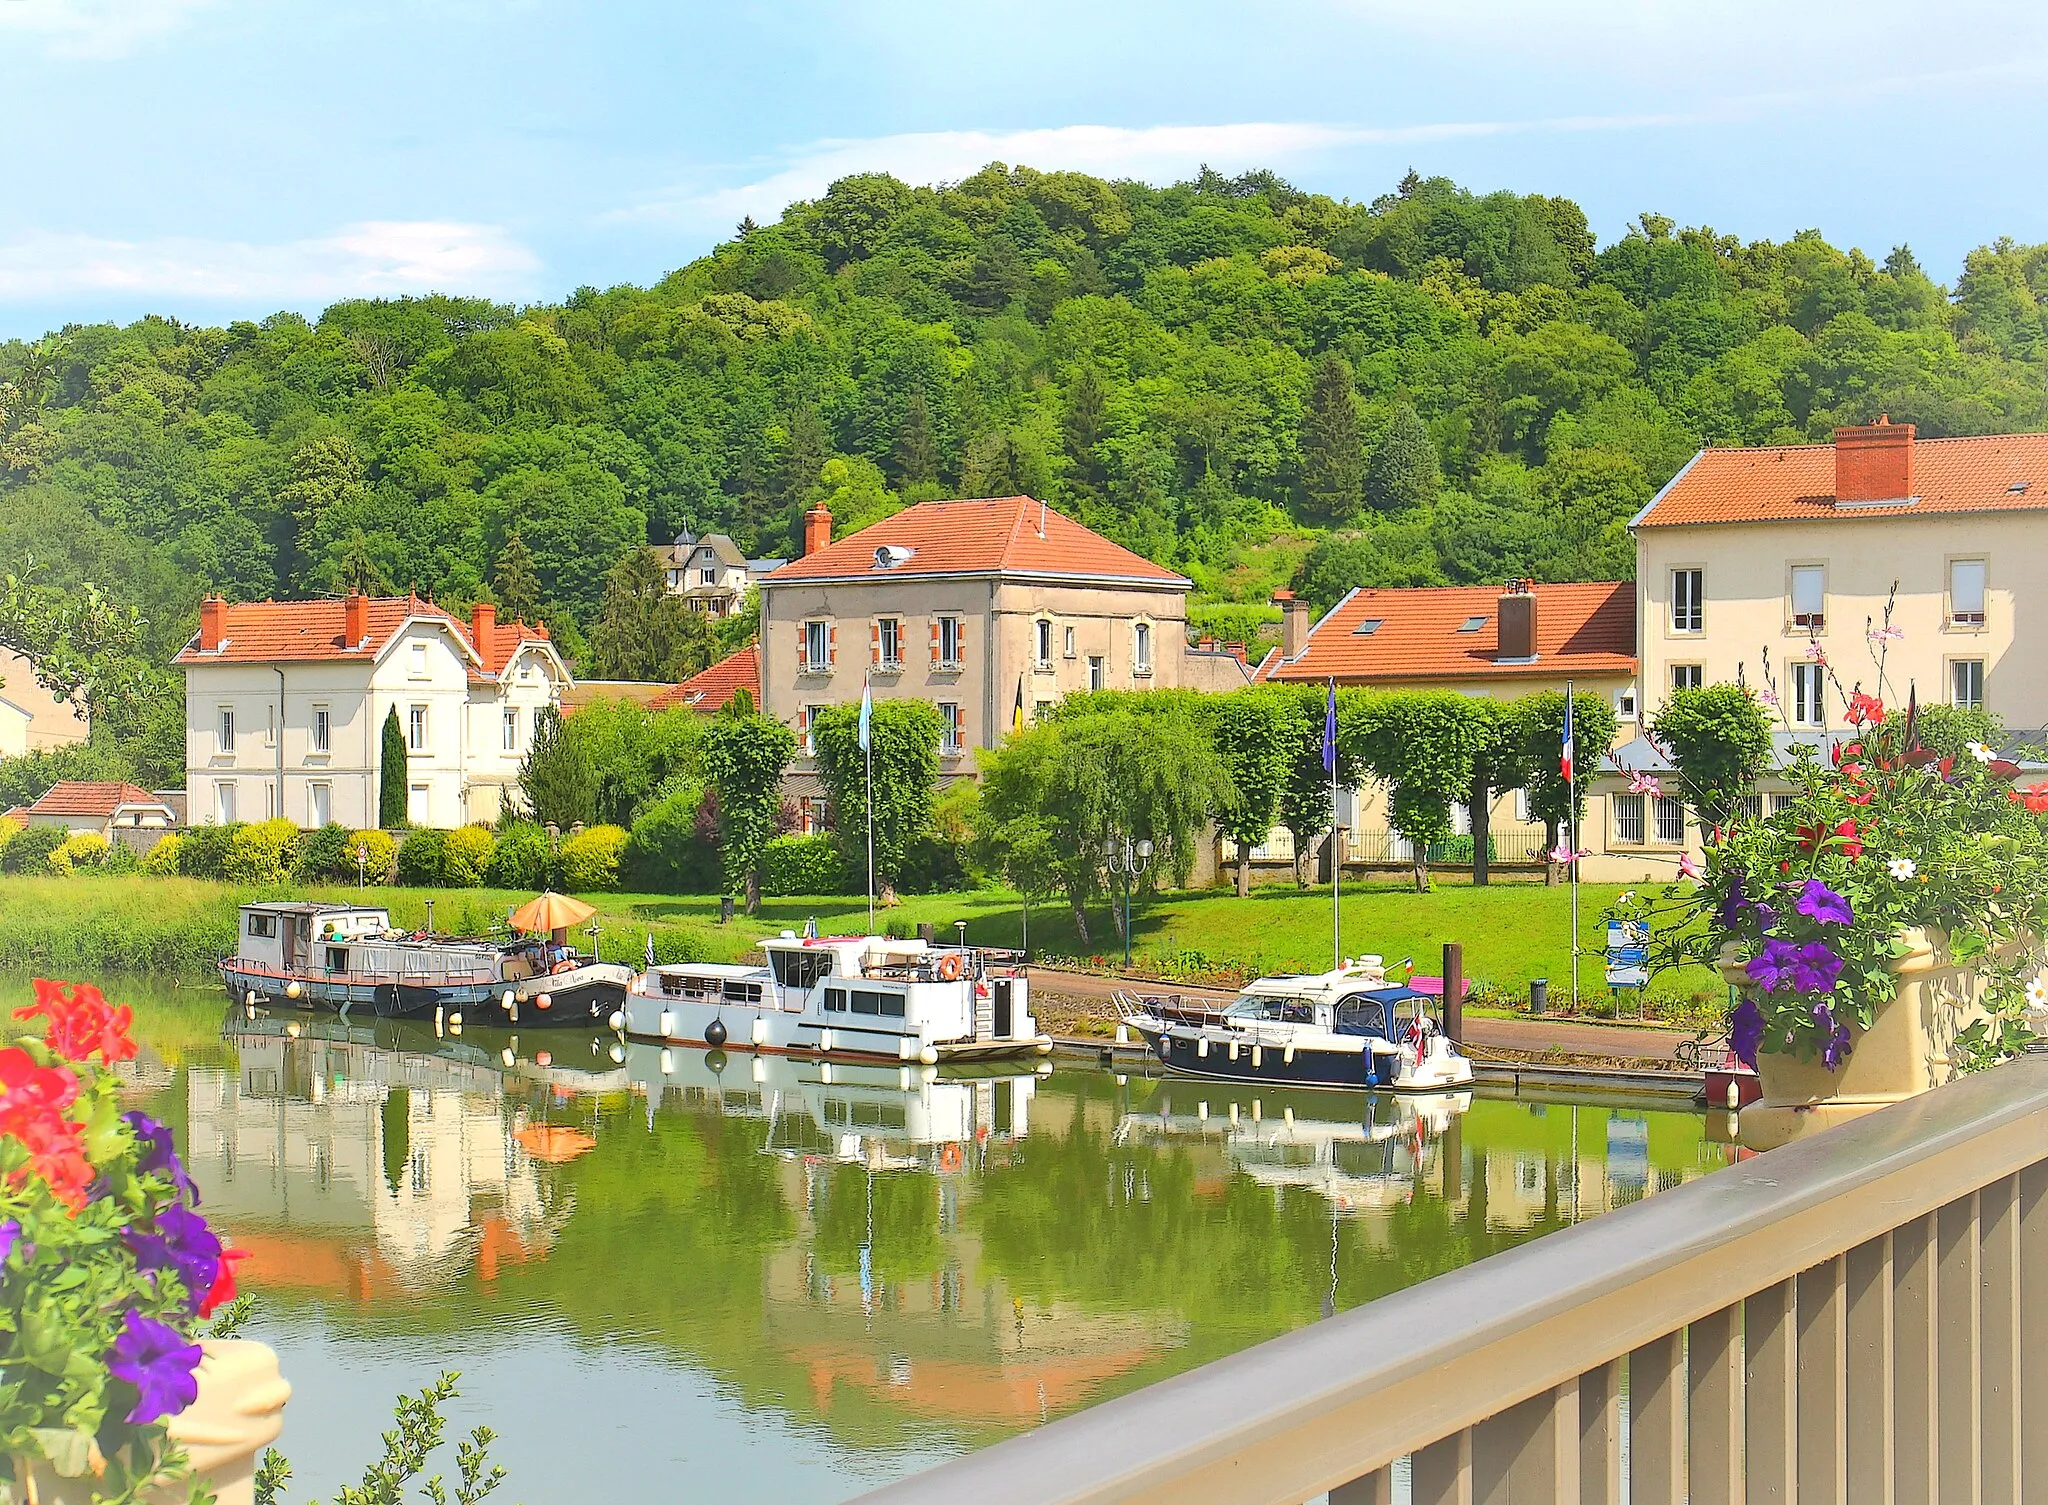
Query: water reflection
(793,1279)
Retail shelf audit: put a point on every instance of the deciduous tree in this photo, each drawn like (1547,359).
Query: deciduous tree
(744,756)
(905,743)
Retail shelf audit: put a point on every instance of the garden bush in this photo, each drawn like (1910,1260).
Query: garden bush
(162,859)
(30,851)
(667,852)
(466,856)
(521,858)
(325,856)
(80,851)
(204,851)
(260,853)
(422,858)
(381,849)
(121,858)
(793,865)
(590,858)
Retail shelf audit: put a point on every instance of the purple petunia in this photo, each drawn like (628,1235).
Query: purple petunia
(1746,1032)
(1732,906)
(1834,1043)
(159,1363)
(10,1236)
(1822,904)
(1814,968)
(1772,968)
(159,1153)
(182,1244)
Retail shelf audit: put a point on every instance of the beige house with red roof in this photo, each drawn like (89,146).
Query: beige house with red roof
(989,608)
(1794,552)
(711,689)
(31,718)
(285,704)
(103,807)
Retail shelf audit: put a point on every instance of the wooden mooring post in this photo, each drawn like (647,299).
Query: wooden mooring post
(1454,991)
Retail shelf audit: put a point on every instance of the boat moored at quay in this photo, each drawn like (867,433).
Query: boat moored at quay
(858,997)
(350,958)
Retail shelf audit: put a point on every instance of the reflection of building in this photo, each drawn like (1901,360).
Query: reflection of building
(347,1167)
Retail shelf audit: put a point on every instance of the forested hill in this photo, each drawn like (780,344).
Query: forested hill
(1242,380)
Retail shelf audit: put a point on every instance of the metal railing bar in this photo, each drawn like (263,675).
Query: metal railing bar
(1289,1418)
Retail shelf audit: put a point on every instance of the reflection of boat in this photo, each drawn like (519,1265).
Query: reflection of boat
(867,997)
(885,1117)
(1332,1029)
(1289,1139)
(349,958)
(373,1049)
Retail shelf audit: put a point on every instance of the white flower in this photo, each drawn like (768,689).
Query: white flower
(1902,868)
(1980,752)
(2037,991)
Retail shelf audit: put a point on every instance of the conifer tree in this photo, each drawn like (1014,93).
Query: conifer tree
(391,774)
(916,455)
(359,570)
(514,582)
(1402,473)
(1083,427)
(804,456)
(1332,456)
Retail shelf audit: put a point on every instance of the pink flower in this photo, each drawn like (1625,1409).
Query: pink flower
(1768,697)
(1562,852)
(1687,868)
(1643,783)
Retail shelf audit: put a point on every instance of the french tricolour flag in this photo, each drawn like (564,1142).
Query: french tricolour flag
(1564,762)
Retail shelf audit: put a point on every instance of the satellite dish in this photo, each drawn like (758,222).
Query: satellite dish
(890,555)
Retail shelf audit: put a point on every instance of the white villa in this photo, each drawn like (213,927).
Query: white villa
(285,703)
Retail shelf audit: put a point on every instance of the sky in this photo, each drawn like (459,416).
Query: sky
(220,159)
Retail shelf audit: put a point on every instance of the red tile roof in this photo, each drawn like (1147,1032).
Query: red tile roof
(268,632)
(710,689)
(976,538)
(1797,481)
(1580,629)
(81,797)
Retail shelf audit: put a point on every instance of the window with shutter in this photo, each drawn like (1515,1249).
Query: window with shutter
(875,643)
(831,644)
(935,640)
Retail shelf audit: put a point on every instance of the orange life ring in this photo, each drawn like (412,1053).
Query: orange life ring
(950,967)
(564,965)
(949,1157)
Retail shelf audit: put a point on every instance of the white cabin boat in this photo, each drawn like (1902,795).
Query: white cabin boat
(865,997)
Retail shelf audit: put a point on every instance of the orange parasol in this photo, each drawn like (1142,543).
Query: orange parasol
(553,1143)
(551,911)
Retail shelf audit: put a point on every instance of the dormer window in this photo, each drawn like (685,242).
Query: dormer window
(1471,624)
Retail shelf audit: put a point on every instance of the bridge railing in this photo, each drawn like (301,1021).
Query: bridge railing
(1858,1317)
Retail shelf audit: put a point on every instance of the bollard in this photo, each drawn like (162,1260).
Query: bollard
(725,910)
(1454,992)
(1539,994)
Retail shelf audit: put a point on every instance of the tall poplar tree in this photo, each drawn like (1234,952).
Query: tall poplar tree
(904,735)
(391,774)
(744,755)
(1332,453)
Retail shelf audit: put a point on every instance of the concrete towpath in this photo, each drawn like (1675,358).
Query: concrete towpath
(1534,1036)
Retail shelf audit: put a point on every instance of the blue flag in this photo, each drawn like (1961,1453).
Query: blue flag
(1330,732)
(867,713)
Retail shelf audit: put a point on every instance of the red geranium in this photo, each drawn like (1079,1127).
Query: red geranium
(81,1023)
(2035,799)
(32,1103)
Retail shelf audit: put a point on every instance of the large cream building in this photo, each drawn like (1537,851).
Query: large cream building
(984,608)
(285,703)
(31,718)
(1760,563)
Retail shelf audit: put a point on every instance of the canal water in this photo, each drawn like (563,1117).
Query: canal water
(664,1274)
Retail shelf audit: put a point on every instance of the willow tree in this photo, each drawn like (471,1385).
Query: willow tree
(744,756)
(904,737)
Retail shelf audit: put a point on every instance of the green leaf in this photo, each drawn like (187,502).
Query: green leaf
(68,1449)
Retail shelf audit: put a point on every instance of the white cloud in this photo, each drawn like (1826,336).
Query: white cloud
(1150,152)
(376,258)
(96,28)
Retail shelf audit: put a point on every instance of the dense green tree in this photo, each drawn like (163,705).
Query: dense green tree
(557,781)
(916,452)
(391,768)
(1332,447)
(1250,733)
(1541,721)
(514,583)
(1402,474)
(643,631)
(1423,746)
(1719,739)
(744,756)
(904,737)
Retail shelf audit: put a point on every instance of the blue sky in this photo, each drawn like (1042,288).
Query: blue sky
(216,159)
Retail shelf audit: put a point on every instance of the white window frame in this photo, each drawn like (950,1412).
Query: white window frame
(1957,669)
(419,803)
(1628,819)
(418,666)
(807,734)
(323,729)
(1808,683)
(1668,812)
(949,735)
(1960,614)
(1815,617)
(320,805)
(509,729)
(1625,704)
(1070,648)
(269,724)
(1098,672)
(707,577)
(889,642)
(1688,615)
(224,730)
(1041,642)
(417,730)
(949,653)
(817,633)
(1688,676)
(1141,649)
(226,803)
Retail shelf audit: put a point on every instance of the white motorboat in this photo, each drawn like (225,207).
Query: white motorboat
(859,997)
(1343,1028)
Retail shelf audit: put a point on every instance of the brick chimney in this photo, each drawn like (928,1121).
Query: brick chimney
(1874,463)
(482,618)
(817,530)
(213,623)
(1293,624)
(1516,623)
(355,619)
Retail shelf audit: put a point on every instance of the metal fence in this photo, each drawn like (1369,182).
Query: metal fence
(1858,1317)
(1391,846)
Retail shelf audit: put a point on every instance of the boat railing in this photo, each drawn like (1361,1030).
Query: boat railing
(1167,1008)
(1861,1315)
(324,974)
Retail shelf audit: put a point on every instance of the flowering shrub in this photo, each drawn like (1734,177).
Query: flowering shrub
(106,1267)
(1884,834)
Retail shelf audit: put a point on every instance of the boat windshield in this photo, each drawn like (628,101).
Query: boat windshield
(1280,1010)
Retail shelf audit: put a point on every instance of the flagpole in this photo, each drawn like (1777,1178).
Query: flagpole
(1571,812)
(1336,831)
(867,742)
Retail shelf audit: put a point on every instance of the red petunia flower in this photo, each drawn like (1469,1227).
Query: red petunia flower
(223,1283)
(32,1103)
(81,1023)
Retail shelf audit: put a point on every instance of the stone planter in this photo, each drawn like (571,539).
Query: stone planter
(1907,1050)
(239,1412)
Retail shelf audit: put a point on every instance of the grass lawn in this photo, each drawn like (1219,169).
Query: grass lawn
(1512,932)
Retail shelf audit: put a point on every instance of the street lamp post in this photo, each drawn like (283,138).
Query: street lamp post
(1129,863)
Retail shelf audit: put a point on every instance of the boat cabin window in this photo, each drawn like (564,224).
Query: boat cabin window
(742,992)
(863,1001)
(800,969)
(1280,1010)
(264,926)
(1362,1015)
(337,958)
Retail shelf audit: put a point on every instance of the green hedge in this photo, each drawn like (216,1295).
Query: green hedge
(793,865)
